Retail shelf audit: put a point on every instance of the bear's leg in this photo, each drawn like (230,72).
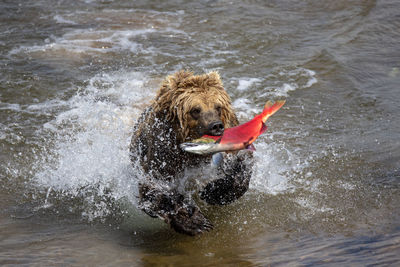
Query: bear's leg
(179,212)
(237,170)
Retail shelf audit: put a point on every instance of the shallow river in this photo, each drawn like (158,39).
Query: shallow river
(75,75)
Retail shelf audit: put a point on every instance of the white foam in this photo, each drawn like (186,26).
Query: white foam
(246,83)
(283,81)
(92,141)
(244,108)
(48,108)
(62,20)
(115,30)
(273,163)
(312,79)
(91,42)
(9,106)
(286,88)
(3,129)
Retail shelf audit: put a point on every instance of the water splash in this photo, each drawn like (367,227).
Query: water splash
(89,142)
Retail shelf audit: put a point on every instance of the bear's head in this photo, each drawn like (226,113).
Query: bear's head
(195,105)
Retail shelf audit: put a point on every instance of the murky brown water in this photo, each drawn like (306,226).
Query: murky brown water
(76,74)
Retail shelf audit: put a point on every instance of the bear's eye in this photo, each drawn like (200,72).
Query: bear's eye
(219,109)
(195,113)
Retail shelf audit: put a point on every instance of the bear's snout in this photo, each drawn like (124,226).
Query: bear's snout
(215,128)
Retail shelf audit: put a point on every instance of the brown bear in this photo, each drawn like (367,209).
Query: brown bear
(186,107)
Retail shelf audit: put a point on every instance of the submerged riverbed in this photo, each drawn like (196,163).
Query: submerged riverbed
(75,75)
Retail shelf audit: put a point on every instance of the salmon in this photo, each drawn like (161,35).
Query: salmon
(235,138)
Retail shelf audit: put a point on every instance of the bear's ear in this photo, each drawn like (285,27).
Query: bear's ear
(168,90)
(172,82)
(178,78)
(214,79)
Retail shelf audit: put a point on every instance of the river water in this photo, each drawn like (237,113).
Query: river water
(75,75)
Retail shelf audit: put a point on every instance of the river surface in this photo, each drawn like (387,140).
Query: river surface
(75,75)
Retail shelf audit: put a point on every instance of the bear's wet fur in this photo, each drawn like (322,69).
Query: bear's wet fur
(186,107)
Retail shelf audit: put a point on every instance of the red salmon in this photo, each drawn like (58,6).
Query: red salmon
(235,138)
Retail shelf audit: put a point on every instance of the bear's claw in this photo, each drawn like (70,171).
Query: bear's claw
(189,220)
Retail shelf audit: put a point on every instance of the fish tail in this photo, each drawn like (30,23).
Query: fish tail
(270,108)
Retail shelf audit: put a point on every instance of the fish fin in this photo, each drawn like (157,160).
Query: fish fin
(268,104)
(263,128)
(215,137)
(251,147)
(270,108)
(248,142)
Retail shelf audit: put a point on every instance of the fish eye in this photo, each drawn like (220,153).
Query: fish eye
(195,113)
